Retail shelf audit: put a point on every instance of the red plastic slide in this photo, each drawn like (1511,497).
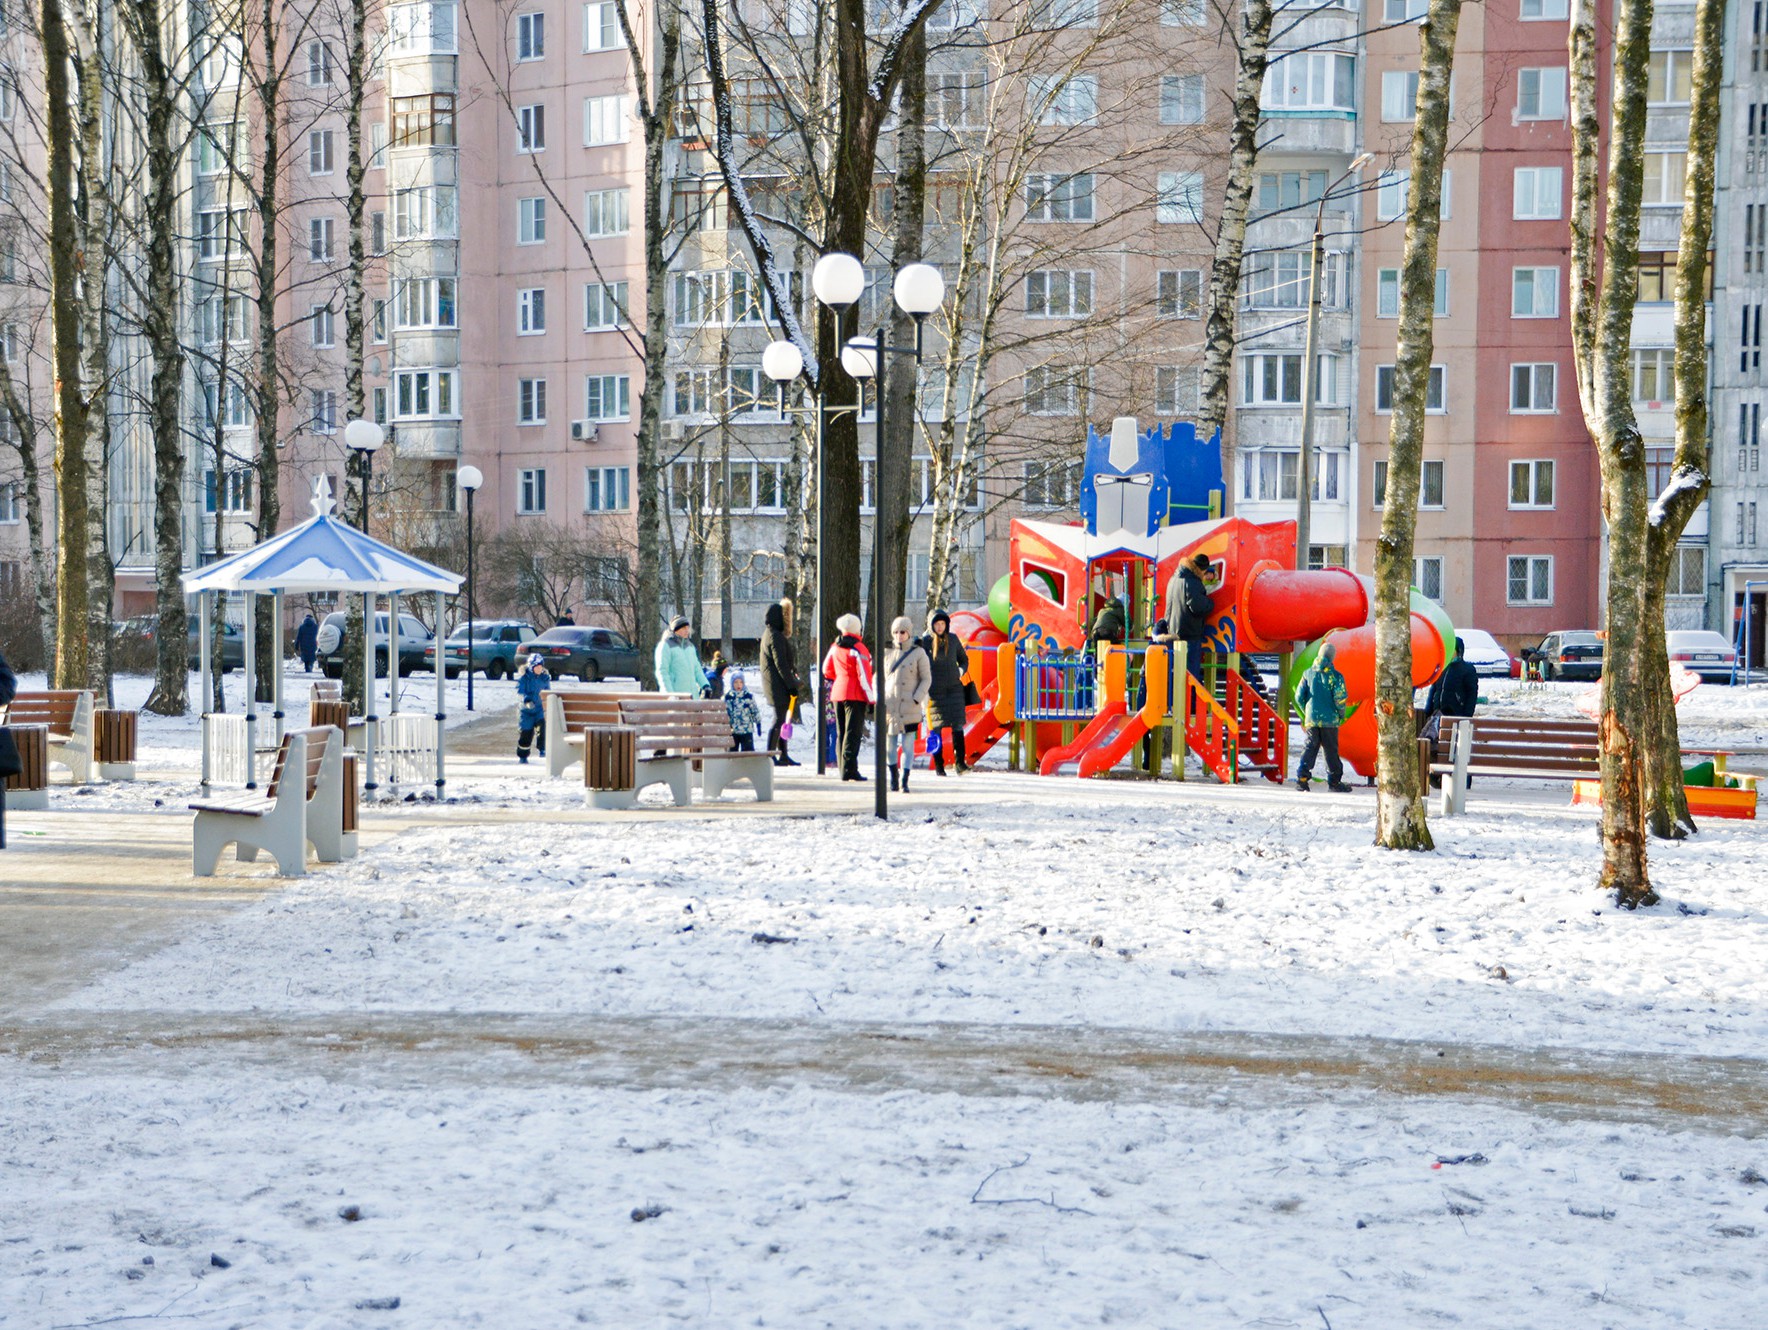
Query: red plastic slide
(1113,745)
(1103,728)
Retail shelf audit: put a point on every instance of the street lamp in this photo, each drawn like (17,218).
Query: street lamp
(1309,389)
(918,289)
(364,438)
(469,478)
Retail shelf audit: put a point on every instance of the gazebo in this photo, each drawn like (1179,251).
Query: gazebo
(327,556)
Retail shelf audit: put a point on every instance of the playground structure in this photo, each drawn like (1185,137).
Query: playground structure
(1064,708)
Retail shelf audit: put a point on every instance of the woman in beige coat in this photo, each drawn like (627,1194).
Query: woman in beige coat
(907,678)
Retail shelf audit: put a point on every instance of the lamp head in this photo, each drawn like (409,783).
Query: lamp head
(838,280)
(469,478)
(782,362)
(919,289)
(860,357)
(363,436)
(1361,160)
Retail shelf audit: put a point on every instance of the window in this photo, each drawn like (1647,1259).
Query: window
(1178,293)
(604,305)
(1310,81)
(320,321)
(223,318)
(531,311)
(1434,400)
(421,29)
(1403,11)
(1654,377)
(607,397)
(1540,93)
(1531,484)
(948,99)
(319,65)
(1278,190)
(220,233)
(424,394)
(1181,99)
(531,128)
(1534,293)
(1051,484)
(1058,294)
(1749,436)
(10,503)
(530,401)
(319,239)
(1749,354)
(1669,78)
(604,212)
(426,121)
(1538,193)
(1051,391)
(604,120)
(1688,571)
(1066,13)
(530,36)
(530,221)
(1282,280)
(234,413)
(1664,172)
(1530,580)
(233,493)
(319,152)
(223,145)
(378,324)
(1175,390)
(324,414)
(1059,198)
(1746,524)
(1543,9)
(1534,389)
(1180,197)
(1427,576)
(601,27)
(531,491)
(428,212)
(604,581)
(377,232)
(1273,378)
(425,302)
(1387,293)
(1184,13)
(1657,269)
(1057,101)
(377,146)
(1430,483)
(607,489)
(1399,95)
(1390,195)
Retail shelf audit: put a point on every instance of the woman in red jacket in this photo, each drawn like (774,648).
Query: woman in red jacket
(848,668)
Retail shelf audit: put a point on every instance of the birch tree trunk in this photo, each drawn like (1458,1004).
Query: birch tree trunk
(1399,805)
(66,262)
(1602,335)
(24,432)
(268,91)
(357,72)
(96,224)
(893,514)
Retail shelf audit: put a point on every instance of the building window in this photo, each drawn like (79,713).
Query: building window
(222,318)
(1059,101)
(319,152)
(1669,79)
(948,99)
(1530,579)
(1051,391)
(1178,293)
(530,36)
(1390,195)
(378,407)
(1435,399)
(1281,190)
(601,26)
(1399,95)
(1430,483)
(233,492)
(1387,293)
(222,146)
(220,233)
(1281,280)
(1688,571)
(607,489)
(604,120)
(607,397)
(426,121)
(1654,377)
(1534,389)
(1746,523)
(377,232)
(1184,13)
(1543,9)
(530,401)
(1273,378)
(1427,576)
(531,491)
(424,394)
(531,311)
(1403,11)
(604,305)
(319,239)
(422,29)
(1664,174)
(320,321)
(1310,81)
(1749,436)
(425,302)
(604,212)
(1180,197)
(427,212)
(377,146)
(324,415)
(605,579)
(531,128)
(531,221)
(1051,485)
(235,413)
(1058,294)
(1657,268)
(319,65)
(1059,198)
(1531,484)
(1534,293)
(1175,390)
(1538,193)
(1181,99)
(1540,94)
(10,503)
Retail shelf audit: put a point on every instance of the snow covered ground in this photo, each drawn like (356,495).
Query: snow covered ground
(504,1186)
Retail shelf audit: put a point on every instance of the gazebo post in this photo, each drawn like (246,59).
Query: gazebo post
(393,682)
(441,704)
(251,691)
(370,722)
(202,664)
(276,655)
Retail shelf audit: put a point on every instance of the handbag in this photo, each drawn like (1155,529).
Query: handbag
(11,764)
(972,694)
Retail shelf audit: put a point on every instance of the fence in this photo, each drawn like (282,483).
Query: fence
(1056,687)
(407,745)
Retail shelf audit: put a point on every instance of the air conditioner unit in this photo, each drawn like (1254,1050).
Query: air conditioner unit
(585,431)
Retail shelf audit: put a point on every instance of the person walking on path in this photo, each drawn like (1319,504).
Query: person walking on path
(947,662)
(1321,698)
(848,668)
(531,685)
(307,641)
(1187,608)
(677,663)
(907,679)
(739,705)
(779,679)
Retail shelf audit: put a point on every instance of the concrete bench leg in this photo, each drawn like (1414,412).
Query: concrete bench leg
(611,798)
(207,840)
(721,775)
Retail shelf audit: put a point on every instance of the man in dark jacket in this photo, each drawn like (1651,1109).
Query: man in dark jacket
(1187,605)
(779,680)
(307,641)
(1456,691)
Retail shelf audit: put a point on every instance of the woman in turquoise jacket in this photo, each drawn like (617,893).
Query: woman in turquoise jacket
(676,661)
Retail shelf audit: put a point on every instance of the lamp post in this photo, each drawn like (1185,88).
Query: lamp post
(469,478)
(364,437)
(918,289)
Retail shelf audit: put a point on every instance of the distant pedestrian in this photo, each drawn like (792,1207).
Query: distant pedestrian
(947,663)
(907,679)
(307,641)
(779,678)
(567,620)
(1456,691)
(1321,696)
(739,705)
(676,661)
(531,685)
(848,668)
(1187,609)
(715,675)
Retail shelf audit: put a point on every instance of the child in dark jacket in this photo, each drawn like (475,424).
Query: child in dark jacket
(531,685)
(739,705)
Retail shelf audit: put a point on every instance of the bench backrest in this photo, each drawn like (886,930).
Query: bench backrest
(580,708)
(1565,746)
(327,690)
(317,740)
(57,708)
(684,724)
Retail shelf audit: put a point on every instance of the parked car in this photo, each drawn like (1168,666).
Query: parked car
(134,641)
(1569,654)
(1488,658)
(588,652)
(413,639)
(1706,653)
(498,647)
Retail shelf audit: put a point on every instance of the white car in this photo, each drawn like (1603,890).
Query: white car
(1706,653)
(1489,660)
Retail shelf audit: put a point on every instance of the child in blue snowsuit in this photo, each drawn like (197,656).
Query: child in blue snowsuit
(531,684)
(739,705)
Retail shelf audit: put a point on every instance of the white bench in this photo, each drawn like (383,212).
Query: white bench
(569,712)
(672,737)
(303,803)
(68,714)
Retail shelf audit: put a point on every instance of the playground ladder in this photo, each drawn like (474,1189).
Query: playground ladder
(1210,732)
(1263,736)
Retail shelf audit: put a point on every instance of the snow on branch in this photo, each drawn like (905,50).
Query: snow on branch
(1683,480)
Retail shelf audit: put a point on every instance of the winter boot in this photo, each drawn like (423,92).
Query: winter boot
(907,767)
(893,777)
(1301,783)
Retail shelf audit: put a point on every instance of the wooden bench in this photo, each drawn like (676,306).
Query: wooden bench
(67,713)
(303,803)
(115,734)
(570,711)
(1507,747)
(668,739)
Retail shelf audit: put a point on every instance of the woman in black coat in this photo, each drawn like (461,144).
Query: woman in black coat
(945,699)
(779,679)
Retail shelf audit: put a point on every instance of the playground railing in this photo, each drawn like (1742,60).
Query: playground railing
(1261,734)
(1211,732)
(1056,687)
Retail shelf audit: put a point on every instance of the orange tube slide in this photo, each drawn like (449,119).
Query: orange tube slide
(1283,605)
